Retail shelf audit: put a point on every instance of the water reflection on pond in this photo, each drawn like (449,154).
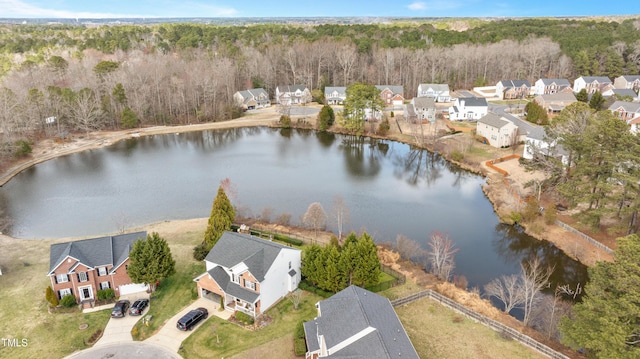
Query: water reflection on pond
(389,187)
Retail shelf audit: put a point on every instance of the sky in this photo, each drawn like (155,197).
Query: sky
(306,8)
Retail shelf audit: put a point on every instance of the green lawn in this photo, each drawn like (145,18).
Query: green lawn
(203,343)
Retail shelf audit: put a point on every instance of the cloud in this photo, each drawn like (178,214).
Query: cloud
(417,6)
(18,8)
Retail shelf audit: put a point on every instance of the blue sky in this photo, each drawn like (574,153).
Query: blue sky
(305,8)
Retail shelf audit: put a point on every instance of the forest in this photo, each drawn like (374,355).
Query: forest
(65,78)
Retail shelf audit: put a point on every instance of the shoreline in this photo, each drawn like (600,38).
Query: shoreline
(47,150)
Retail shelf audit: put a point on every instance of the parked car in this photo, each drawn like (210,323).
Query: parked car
(120,309)
(138,306)
(189,320)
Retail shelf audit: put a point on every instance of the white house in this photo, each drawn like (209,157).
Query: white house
(356,323)
(293,95)
(498,131)
(591,83)
(335,95)
(439,92)
(250,274)
(535,144)
(550,86)
(422,108)
(252,98)
(468,108)
(627,82)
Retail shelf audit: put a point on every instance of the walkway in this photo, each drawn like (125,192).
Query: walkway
(171,337)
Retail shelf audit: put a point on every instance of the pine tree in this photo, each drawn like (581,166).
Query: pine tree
(51,297)
(606,321)
(151,261)
(220,220)
(309,268)
(367,270)
(597,100)
(582,96)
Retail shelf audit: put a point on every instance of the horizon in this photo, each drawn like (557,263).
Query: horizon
(227,9)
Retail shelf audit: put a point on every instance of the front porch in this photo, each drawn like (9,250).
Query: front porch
(232,304)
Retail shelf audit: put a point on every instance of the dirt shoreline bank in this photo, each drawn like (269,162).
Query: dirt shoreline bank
(495,192)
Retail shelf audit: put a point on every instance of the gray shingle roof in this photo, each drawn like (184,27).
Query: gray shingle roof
(291,88)
(250,94)
(599,79)
(631,78)
(515,83)
(396,89)
(256,253)
(222,278)
(473,101)
(493,120)
(95,252)
(424,102)
(435,87)
(626,106)
(625,92)
(363,320)
(559,82)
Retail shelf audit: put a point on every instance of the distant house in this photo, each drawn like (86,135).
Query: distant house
(439,92)
(391,95)
(550,86)
(627,82)
(83,267)
(335,95)
(293,95)
(512,89)
(591,83)
(535,144)
(621,93)
(248,273)
(498,131)
(554,103)
(252,99)
(468,108)
(422,109)
(626,111)
(356,323)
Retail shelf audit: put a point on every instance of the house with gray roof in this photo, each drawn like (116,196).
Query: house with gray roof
(550,86)
(356,323)
(421,109)
(628,93)
(439,92)
(83,267)
(627,82)
(335,95)
(252,98)
(554,103)
(499,131)
(512,89)
(591,83)
(293,95)
(468,109)
(626,111)
(249,274)
(392,95)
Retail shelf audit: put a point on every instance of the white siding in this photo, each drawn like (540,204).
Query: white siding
(276,282)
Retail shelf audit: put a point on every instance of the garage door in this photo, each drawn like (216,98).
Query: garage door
(133,288)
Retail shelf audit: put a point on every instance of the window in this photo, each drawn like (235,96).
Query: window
(63,292)
(102,271)
(105,285)
(249,284)
(62,278)
(235,278)
(82,277)
(289,264)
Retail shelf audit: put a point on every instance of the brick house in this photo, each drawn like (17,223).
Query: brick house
(83,267)
(512,89)
(391,95)
(250,274)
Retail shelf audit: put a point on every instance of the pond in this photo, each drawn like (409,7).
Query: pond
(389,188)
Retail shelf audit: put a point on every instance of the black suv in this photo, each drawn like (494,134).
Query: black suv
(189,320)
(120,309)
(138,306)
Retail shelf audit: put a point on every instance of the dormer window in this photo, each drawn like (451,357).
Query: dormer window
(235,278)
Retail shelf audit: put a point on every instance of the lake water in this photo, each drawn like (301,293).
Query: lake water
(389,188)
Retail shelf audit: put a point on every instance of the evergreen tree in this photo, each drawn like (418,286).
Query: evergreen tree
(360,99)
(326,118)
(128,118)
(597,100)
(309,268)
(582,96)
(606,321)
(51,297)
(333,278)
(367,270)
(536,113)
(220,220)
(151,261)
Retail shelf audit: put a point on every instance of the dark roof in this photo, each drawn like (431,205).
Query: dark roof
(493,120)
(291,88)
(256,253)
(631,78)
(252,94)
(473,101)
(625,92)
(396,89)
(95,252)
(515,83)
(364,321)
(559,82)
(626,106)
(599,79)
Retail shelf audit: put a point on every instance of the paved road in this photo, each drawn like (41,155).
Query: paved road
(138,350)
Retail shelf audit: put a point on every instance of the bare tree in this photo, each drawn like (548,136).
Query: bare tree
(440,255)
(508,289)
(266,214)
(340,214)
(548,311)
(295,297)
(410,249)
(315,217)
(346,56)
(534,278)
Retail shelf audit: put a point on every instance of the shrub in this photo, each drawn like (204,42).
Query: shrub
(299,333)
(51,297)
(244,318)
(304,285)
(23,148)
(516,217)
(106,294)
(531,210)
(68,301)
(457,156)
(384,127)
(200,251)
(550,215)
(292,241)
(285,121)
(299,346)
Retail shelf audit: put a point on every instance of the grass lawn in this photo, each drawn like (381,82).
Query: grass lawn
(439,332)
(203,343)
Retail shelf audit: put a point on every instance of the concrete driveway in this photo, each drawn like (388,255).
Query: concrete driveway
(136,350)
(171,337)
(118,330)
